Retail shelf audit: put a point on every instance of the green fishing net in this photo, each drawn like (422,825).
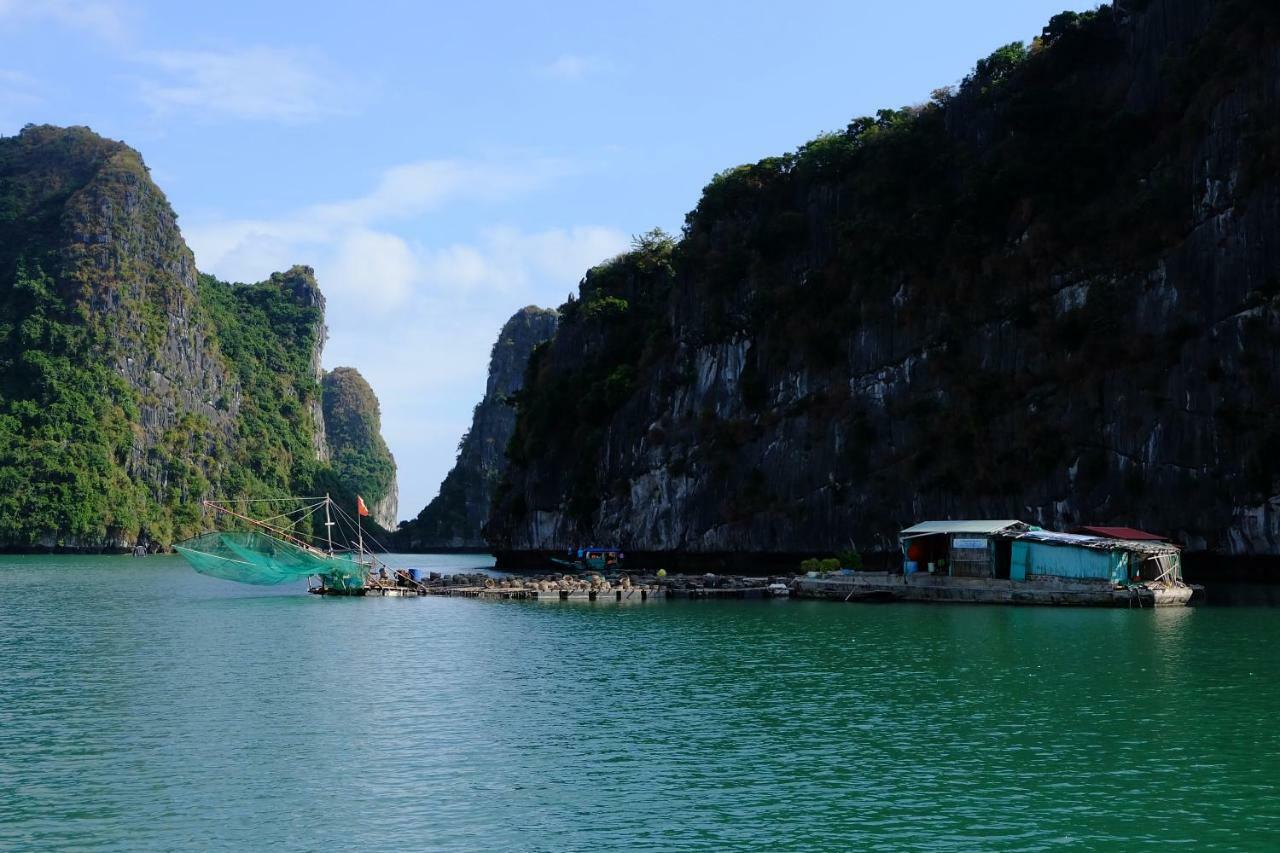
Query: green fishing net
(253,557)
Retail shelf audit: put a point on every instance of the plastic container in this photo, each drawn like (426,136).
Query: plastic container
(910,567)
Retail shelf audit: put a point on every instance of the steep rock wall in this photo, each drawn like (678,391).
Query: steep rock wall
(454,518)
(1053,294)
(132,387)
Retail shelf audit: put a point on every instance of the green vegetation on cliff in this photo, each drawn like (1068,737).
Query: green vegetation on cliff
(65,423)
(360,462)
(66,416)
(616,325)
(131,388)
(268,333)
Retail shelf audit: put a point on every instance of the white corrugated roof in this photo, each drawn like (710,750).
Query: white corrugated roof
(1065,538)
(960,526)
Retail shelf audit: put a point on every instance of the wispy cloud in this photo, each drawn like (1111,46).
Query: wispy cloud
(19,93)
(18,84)
(569,66)
(509,260)
(378,270)
(101,18)
(419,322)
(257,83)
(415,188)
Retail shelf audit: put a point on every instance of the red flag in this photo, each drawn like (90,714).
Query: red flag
(360,507)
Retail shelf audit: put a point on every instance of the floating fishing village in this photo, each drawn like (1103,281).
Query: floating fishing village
(951,561)
(639,427)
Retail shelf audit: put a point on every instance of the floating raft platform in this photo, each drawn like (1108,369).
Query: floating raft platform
(503,593)
(852,587)
(496,593)
(385,591)
(888,586)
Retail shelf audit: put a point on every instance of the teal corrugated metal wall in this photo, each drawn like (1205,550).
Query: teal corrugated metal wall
(1066,561)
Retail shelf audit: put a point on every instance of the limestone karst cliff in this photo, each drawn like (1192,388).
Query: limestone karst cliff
(454,518)
(132,387)
(1052,293)
(358,455)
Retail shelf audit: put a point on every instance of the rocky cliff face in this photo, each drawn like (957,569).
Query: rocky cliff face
(123,261)
(454,518)
(358,454)
(131,387)
(1052,294)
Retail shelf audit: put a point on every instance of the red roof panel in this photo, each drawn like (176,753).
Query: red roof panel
(1131,533)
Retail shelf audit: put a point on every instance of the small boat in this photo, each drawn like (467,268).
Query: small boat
(279,549)
(603,560)
(779,590)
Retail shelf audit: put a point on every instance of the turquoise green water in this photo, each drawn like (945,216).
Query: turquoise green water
(144,707)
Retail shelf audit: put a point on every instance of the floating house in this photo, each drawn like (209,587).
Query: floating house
(966,548)
(1008,561)
(1044,553)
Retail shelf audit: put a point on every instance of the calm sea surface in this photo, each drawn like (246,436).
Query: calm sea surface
(144,707)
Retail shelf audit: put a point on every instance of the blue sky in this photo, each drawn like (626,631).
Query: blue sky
(442,165)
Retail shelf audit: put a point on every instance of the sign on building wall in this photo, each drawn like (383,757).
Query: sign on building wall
(969,544)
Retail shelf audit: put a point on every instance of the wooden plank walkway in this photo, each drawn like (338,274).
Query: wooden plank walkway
(527,594)
(618,594)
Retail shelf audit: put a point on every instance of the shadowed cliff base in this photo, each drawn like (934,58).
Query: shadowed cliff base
(1227,580)
(1217,570)
(751,564)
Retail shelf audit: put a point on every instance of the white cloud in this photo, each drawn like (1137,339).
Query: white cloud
(377,271)
(570,66)
(101,18)
(20,79)
(247,249)
(18,86)
(258,83)
(372,276)
(420,332)
(250,249)
(417,320)
(509,260)
(414,188)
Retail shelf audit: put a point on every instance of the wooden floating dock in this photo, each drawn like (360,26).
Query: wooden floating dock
(722,594)
(364,592)
(862,586)
(498,593)
(886,586)
(527,594)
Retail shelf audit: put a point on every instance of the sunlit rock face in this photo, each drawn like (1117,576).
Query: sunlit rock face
(132,387)
(353,435)
(454,518)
